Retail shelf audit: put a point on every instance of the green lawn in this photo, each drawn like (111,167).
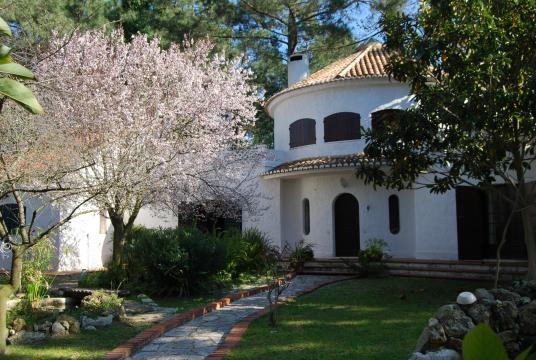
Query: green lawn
(355,319)
(93,345)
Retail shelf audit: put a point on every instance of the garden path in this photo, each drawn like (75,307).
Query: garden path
(197,339)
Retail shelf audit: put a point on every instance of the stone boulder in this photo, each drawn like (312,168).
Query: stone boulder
(26,337)
(505,315)
(100,321)
(18,324)
(454,321)
(479,313)
(527,319)
(525,288)
(506,295)
(432,337)
(58,329)
(72,324)
(443,354)
(484,296)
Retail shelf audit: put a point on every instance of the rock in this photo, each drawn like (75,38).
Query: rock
(479,313)
(504,316)
(526,288)
(507,336)
(74,328)
(65,324)
(58,329)
(19,324)
(432,337)
(525,300)
(11,332)
(443,354)
(484,295)
(455,344)
(466,298)
(26,337)
(98,322)
(512,348)
(90,328)
(506,295)
(454,321)
(527,319)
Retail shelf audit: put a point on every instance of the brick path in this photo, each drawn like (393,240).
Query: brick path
(197,339)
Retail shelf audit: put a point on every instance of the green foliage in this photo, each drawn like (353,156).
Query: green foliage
(482,343)
(9,87)
(38,260)
(102,303)
(375,249)
(179,261)
(301,254)
(250,252)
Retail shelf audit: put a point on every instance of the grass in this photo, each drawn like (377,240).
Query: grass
(93,345)
(355,319)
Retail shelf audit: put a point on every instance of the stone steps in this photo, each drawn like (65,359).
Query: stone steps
(444,269)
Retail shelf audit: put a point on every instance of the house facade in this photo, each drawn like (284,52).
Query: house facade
(310,189)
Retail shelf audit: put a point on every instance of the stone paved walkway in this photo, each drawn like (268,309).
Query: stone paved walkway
(199,338)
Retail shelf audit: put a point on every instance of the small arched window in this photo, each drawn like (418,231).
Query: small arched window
(379,119)
(394,214)
(306,217)
(342,126)
(302,132)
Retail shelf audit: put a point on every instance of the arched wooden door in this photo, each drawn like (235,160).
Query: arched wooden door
(346,214)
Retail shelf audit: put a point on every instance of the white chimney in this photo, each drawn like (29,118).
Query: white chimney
(298,67)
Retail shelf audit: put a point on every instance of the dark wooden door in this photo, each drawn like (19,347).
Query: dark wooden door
(346,213)
(471,213)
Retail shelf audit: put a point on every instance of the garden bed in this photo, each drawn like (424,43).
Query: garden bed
(355,319)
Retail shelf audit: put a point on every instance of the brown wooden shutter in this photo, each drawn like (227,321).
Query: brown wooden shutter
(342,126)
(302,132)
(379,119)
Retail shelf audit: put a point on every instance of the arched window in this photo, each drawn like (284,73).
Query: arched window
(302,132)
(342,126)
(394,214)
(379,119)
(306,217)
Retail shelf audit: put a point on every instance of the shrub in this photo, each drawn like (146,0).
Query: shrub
(103,303)
(37,260)
(250,252)
(164,261)
(301,254)
(375,249)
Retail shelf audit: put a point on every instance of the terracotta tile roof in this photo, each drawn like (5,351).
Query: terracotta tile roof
(368,62)
(321,162)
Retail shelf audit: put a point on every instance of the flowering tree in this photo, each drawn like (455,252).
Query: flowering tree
(147,117)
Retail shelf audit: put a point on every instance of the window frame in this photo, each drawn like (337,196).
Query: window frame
(303,132)
(306,216)
(342,126)
(394,213)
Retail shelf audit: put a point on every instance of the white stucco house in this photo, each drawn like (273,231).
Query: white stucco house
(311,191)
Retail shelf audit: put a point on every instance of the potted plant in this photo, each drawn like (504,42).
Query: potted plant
(375,249)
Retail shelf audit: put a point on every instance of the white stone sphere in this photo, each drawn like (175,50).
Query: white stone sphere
(466,298)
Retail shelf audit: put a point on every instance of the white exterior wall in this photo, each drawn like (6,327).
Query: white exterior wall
(427,221)
(362,96)
(322,190)
(79,243)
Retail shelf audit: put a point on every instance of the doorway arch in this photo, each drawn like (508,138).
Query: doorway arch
(346,219)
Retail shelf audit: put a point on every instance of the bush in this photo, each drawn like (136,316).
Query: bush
(180,261)
(250,252)
(37,261)
(103,303)
(301,254)
(375,249)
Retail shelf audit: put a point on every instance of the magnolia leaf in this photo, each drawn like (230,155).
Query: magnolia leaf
(20,94)
(4,50)
(16,70)
(4,27)
(525,354)
(482,343)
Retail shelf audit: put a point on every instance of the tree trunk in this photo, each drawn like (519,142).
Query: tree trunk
(17,257)
(528,234)
(119,237)
(5,292)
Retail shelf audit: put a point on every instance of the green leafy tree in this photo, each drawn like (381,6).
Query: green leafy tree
(471,66)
